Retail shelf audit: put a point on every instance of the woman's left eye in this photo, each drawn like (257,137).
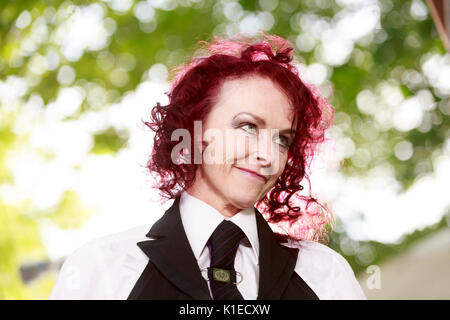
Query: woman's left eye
(284,141)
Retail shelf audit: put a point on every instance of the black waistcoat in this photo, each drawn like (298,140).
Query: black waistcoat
(172,272)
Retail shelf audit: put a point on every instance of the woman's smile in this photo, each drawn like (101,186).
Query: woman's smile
(253,174)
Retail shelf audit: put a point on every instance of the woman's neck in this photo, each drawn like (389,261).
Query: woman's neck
(205,192)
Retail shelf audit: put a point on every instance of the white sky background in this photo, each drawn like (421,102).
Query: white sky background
(118,186)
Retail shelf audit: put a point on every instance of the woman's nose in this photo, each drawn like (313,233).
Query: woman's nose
(265,150)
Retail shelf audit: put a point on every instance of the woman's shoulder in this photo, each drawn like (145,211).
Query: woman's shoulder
(113,243)
(314,250)
(326,270)
(87,272)
(317,256)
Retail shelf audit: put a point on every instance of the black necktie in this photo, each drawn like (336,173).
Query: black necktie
(224,243)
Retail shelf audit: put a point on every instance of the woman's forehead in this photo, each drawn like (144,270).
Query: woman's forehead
(256,94)
(249,81)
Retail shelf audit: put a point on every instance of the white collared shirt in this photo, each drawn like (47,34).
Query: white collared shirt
(200,220)
(109,267)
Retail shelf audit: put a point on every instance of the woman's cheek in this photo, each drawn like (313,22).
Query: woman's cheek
(278,163)
(235,147)
(214,152)
(282,160)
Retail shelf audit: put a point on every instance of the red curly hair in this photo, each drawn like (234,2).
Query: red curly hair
(191,97)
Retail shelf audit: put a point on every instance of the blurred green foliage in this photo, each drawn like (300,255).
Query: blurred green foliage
(132,46)
(108,141)
(361,254)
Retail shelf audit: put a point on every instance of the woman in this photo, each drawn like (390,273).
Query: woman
(259,126)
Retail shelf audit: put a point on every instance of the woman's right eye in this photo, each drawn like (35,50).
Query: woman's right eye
(250,125)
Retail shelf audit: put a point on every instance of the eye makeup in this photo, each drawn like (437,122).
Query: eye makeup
(241,121)
(242,116)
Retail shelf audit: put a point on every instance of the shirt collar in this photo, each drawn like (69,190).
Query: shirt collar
(199,220)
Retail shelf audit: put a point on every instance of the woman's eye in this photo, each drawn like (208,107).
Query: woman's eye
(252,128)
(249,125)
(284,141)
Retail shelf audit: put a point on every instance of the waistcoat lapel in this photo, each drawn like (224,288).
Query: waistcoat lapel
(276,263)
(277,278)
(172,255)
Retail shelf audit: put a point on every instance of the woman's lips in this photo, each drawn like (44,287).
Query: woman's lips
(253,174)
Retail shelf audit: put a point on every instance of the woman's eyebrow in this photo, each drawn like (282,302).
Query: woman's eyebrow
(262,122)
(257,118)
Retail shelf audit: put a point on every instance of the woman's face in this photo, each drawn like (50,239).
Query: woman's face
(248,129)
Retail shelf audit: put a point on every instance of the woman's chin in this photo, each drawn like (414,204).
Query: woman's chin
(246,201)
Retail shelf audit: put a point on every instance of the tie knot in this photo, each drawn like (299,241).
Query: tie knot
(226,233)
(224,242)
